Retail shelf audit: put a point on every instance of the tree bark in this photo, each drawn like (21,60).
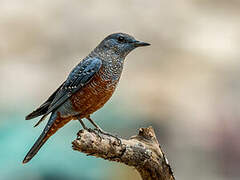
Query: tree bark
(141,151)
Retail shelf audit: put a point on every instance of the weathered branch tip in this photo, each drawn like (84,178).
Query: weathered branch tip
(141,151)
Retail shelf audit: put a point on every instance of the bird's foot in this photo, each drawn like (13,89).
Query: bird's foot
(99,130)
(95,132)
(108,134)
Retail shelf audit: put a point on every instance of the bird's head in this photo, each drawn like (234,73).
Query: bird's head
(120,44)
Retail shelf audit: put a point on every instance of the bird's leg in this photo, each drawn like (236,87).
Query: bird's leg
(83,125)
(102,131)
(81,122)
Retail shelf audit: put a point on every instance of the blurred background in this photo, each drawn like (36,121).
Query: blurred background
(186,84)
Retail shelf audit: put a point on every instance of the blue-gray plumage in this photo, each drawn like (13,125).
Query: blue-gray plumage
(88,87)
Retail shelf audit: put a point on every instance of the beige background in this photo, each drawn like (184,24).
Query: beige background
(186,84)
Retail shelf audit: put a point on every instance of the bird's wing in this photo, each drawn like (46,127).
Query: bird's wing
(78,78)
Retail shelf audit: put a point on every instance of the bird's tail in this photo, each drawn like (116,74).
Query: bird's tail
(52,126)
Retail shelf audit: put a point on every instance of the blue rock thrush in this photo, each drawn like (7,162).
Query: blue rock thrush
(88,87)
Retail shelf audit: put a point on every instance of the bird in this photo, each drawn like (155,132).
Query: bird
(87,88)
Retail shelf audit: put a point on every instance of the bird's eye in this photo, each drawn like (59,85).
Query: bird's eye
(121,39)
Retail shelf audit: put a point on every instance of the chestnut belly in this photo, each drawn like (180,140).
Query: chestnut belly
(92,96)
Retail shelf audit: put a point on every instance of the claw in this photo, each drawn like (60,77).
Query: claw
(96,131)
(108,134)
(103,132)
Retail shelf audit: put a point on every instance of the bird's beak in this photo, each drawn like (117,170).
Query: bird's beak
(139,44)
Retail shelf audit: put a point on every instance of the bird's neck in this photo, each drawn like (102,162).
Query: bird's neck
(107,55)
(112,64)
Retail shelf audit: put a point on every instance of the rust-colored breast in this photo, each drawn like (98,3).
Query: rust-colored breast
(87,100)
(93,96)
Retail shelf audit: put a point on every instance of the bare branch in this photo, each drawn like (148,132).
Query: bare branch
(141,151)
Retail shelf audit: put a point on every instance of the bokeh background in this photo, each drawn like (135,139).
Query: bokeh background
(186,84)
